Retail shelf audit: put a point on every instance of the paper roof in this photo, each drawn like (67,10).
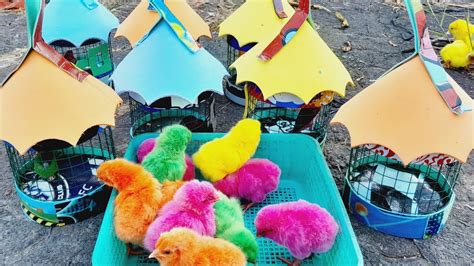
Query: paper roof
(163,66)
(140,22)
(46,97)
(304,67)
(77,21)
(403,112)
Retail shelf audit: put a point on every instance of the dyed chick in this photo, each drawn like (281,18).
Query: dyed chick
(184,247)
(230,226)
(166,161)
(302,227)
(148,145)
(191,207)
(220,157)
(138,201)
(252,182)
(461,30)
(457,55)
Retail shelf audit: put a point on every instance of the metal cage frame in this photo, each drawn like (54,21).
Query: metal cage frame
(147,119)
(58,187)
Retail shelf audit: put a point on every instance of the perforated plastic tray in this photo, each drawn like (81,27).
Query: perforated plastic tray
(305,175)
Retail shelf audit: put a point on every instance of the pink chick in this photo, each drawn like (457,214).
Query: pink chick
(251,182)
(192,207)
(302,227)
(148,145)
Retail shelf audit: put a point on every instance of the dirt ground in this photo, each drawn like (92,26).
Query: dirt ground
(379,34)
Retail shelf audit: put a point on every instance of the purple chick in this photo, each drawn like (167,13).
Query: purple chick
(192,207)
(251,182)
(302,227)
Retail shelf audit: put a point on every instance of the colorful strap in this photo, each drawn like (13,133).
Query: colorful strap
(288,31)
(34,11)
(277,4)
(431,61)
(177,27)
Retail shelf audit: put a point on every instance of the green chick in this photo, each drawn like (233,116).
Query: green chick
(166,161)
(230,226)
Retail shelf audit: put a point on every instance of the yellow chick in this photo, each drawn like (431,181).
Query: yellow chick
(457,54)
(220,157)
(184,247)
(460,31)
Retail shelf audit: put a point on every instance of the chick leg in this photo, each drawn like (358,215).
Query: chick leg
(289,263)
(247,206)
(131,251)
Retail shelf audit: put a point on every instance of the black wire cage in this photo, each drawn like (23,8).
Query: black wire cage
(57,183)
(311,119)
(199,117)
(410,201)
(93,56)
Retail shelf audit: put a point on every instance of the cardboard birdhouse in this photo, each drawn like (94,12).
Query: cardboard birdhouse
(55,124)
(169,77)
(410,132)
(80,31)
(289,73)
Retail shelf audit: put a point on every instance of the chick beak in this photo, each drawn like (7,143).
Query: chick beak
(153,255)
(449,34)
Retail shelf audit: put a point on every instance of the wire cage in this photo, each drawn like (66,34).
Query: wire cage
(57,183)
(278,117)
(93,56)
(233,91)
(410,201)
(199,117)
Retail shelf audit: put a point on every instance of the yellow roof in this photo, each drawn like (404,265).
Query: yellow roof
(139,23)
(404,112)
(40,101)
(255,20)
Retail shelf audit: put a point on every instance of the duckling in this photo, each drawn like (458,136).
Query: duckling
(460,31)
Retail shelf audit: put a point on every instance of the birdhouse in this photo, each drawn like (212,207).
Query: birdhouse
(410,132)
(80,30)
(289,74)
(55,124)
(169,77)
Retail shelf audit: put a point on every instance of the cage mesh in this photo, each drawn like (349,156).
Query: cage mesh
(39,173)
(312,121)
(81,55)
(416,189)
(198,117)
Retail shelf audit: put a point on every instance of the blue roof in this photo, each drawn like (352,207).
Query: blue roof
(161,66)
(77,21)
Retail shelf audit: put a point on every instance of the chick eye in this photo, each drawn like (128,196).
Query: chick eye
(167,252)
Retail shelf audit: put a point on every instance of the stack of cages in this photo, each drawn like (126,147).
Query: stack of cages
(93,56)
(285,113)
(234,92)
(197,117)
(412,201)
(57,183)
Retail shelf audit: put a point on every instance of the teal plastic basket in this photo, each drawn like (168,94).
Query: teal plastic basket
(305,175)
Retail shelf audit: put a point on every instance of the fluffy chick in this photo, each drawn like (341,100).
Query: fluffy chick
(302,227)
(461,30)
(138,201)
(252,182)
(457,54)
(191,207)
(148,145)
(166,161)
(225,155)
(230,226)
(184,247)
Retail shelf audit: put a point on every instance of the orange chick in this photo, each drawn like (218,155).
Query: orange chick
(184,247)
(138,201)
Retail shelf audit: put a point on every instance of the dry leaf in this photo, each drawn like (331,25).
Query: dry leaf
(342,19)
